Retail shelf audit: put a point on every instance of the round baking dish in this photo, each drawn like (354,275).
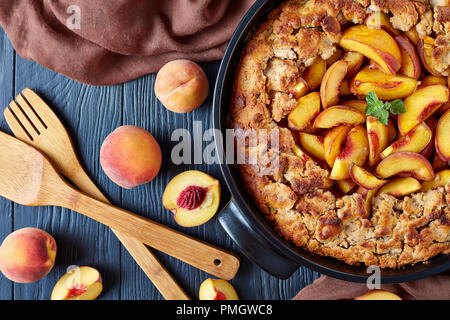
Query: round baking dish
(243,221)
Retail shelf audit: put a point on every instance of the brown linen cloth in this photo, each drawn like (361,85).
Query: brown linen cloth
(119,40)
(327,288)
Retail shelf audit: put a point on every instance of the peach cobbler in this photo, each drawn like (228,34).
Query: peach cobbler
(358,91)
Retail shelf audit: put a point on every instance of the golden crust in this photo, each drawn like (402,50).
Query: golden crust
(294,199)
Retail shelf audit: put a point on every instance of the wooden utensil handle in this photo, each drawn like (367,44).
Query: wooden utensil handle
(149,263)
(201,255)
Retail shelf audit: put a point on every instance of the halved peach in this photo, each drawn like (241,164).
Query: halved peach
(411,65)
(314,73)
(400,187)
(356,149)
(386,86)
(425,48)
(333,142)
(412,35)
(420,105)
(380,20)
(378,136)
(212,289)
(442,140)
(299,89)
(360,105)
(378,295)
(337,54)
(345,185)
(405,164)
(354,61)
(331,83)
(375,44)
(338,115)
(193,197)
(308,107)
(364,178)
(79,283)
(414,141)
(313,145)
(442,178)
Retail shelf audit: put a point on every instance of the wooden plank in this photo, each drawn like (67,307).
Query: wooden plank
(89,113)
(6,93)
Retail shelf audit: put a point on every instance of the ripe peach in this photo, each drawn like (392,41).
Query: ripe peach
(411,65)
(80,283)
(211,289)
(181,86)
(442,140)
(360,105)
(442,178)
(331,83)
(400,187)
(193,196)
(425,48)
(313,145)
(130,156)
(405,164)
(378,136)
(299,89)
(364,178)
(27,255)
(354,61)
(333,142)
(308,107)
(433,80)
(314,73)
(378,295)
(345,185)
(338,115)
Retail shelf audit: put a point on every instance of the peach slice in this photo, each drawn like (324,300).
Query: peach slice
(80,283)
(193,196)
(400,187)
(368,196)
(405,164)
(313,145)
(338,115)
(354,61)
(300,153)
(411,65)
(334,57)
(412,35)
(344,90)
(433,80)
(299,89)
(333,142)
(378,136)
(442,178)
(345,185)
(360,105)
(431,122)
(356,149)
(392,132)
(380,20)
(314,73)
(442,140)
(331,83)
(364,178)
(425,48)
(379,295)
(420,105)
(414,141)
(211,289)
(386,86)
(308,107)
(375,44)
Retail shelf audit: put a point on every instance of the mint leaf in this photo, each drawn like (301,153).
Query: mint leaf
(383,117)
(397,107)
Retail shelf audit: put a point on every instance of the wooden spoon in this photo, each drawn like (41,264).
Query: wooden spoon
(28,178)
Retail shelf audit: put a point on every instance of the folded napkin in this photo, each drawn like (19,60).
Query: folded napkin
(107,42)
(327,288)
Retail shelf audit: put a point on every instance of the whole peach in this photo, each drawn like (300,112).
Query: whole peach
(27,255)
(181,86)
(130,156)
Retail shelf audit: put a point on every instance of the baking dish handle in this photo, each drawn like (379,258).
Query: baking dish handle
(254,245)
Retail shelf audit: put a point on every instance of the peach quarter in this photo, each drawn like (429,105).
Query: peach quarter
(80,283)
(181,86)
(27,255)
(130,156)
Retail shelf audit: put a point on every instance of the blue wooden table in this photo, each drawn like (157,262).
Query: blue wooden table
(90,114)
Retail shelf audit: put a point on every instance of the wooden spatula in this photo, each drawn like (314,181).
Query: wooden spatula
(28,178)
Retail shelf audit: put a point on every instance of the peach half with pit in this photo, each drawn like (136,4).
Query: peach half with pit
(442,178)
(27,255)
(314,73)
(405,164)
(215,289)
(364,178)
(379,295)
(378,136)
(400,187)
(303,115)
(130,156)
(330,86)
(375,44)
(442,140)
(421,105)
(337,116)
(355,150)
(193,196)
(181,86)
(79,283)
(386,86)
(415,140)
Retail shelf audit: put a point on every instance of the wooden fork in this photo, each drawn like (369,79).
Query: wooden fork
(33,122)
